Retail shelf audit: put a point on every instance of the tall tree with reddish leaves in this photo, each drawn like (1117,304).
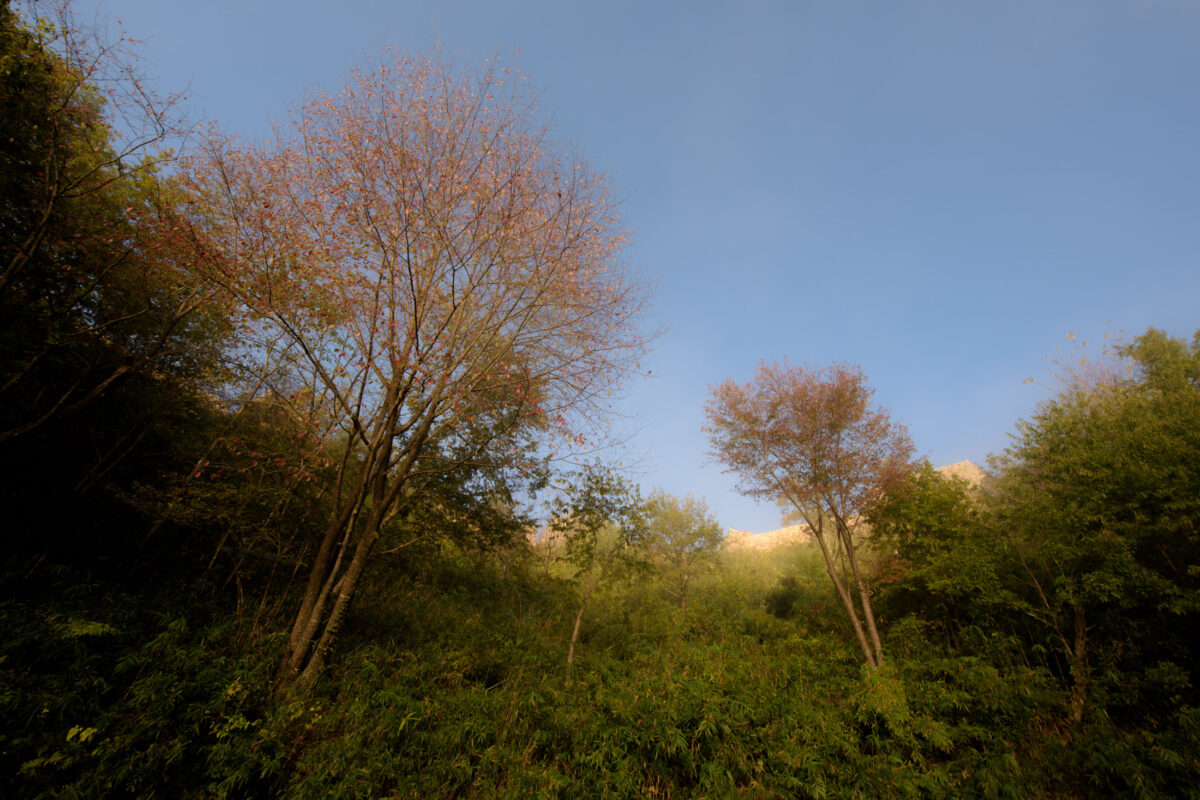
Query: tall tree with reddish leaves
(446,275)
(813,438)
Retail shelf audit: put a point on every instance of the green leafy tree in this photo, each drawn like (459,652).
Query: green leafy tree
(925,533)
(1098,509)
(1083,549)
(684,540)
(603,519)
(1085,545)
(96,278)
(109,341)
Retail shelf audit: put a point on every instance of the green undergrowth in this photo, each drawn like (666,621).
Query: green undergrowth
(128,702)
(450,682)
(462,697)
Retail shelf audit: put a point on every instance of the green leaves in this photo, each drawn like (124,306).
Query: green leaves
(683,540)
(601,515)
(1084,544)
(1103,484)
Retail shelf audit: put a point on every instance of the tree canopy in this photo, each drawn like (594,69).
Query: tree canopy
(445,278)
(276,423)
(1098,501)
(812,438)
(684,540)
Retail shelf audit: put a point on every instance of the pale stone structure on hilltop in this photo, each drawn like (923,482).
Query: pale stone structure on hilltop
(745,540)
(796,534)
(966,470)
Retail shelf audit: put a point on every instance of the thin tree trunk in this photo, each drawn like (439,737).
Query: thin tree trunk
(303,627)
(847,601)
(345,591)
(575,634)
(579,617)
(864,594)
(315,629)
(1077,656)
(322,576)
(683,588)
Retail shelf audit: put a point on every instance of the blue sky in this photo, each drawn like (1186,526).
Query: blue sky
(938,191)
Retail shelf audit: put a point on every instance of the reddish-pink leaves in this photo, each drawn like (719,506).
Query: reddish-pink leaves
(419,235)
(810,436)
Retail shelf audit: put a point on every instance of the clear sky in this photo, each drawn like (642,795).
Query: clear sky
(938,191)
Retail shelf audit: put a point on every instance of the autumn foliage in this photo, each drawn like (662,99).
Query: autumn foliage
(812,438)
(447,281)
(279,413)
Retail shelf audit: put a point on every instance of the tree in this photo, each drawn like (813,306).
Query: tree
(603,520)
(1096,516)
(447,277)
(95,278)
(684,539)
(812,437)
(108,339)
(926,528)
